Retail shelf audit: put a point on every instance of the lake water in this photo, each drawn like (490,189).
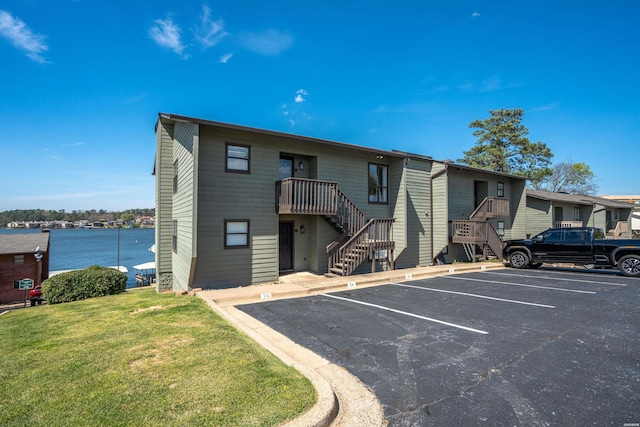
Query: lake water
(78,248)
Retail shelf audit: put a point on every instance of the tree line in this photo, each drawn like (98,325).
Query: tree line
(72,216)
(503,146)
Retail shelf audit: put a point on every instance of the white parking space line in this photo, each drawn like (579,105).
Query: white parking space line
(550,288)
(563,279)
(475,296)
(381,307)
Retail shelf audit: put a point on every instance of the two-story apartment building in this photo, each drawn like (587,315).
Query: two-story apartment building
(238,205)
(547,209)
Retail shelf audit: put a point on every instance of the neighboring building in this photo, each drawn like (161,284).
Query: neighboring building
(22,256)
(635,216)
(474,206)
(238,206)
(546,209)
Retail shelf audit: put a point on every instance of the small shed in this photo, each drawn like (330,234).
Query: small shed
(22,256)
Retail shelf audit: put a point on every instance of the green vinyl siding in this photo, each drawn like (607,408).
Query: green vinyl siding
(417,202)
(439,211)
(163,204)
(232,196)
(185,150)
(539,216)
(518,206)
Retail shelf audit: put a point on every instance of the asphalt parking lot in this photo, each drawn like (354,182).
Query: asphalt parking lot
(500,347)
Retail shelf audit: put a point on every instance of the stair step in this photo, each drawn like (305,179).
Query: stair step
(336,271)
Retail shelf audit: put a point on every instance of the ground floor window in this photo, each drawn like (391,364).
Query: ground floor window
(500,228)
(236,233)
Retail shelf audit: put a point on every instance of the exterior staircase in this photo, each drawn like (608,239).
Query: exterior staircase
(477,232)
(359,239)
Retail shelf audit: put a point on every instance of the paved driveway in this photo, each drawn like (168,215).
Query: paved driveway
(506,347)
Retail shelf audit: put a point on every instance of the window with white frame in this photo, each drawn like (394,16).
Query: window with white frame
(236,233)
(576,214)
(500,229)
(500,189)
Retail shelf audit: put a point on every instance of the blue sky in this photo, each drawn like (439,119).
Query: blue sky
(82,82)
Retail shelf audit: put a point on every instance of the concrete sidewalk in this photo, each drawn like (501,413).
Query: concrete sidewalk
(343,400)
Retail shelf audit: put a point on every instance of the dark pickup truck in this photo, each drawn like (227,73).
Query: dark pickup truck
(575,245)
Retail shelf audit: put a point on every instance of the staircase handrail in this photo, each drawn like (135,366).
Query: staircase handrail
(494,241)
(375,238)
(348,214)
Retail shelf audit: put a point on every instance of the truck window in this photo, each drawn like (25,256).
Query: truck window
(598,233)
(550,235)
(576,235)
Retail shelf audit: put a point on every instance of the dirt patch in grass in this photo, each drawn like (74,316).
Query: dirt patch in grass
(142,310)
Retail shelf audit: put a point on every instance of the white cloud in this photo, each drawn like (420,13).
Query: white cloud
(21,37)
(547,107)
(271,42)
(168,34)
(490,84)
(225,58)
(475,14)
(209,32)
(300,94)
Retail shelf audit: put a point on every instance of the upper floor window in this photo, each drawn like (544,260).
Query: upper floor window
(501,189)
(576,214)
(18,259)
(378,183)
(175,177)
(238,158)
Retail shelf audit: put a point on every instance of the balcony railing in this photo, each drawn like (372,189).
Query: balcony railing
(566,224)
(306,196)
(622,228)
(491,207)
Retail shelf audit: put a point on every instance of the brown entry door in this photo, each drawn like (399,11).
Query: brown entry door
(285,243)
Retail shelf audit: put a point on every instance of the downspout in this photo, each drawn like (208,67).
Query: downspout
(436,175)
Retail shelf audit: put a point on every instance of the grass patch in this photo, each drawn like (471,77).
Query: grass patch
(140,358)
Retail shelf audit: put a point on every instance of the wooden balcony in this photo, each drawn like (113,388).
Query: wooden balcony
(306,196)
(491,207)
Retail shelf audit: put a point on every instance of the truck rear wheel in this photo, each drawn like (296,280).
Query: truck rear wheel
(629,265)
(518,259)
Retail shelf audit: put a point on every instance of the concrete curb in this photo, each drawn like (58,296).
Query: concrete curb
(326,408)
(343,400)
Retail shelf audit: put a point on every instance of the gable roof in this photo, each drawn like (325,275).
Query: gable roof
(577,199)
(451,164)
(392,153)
(23,243)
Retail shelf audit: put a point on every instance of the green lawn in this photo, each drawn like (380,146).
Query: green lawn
(140,358)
